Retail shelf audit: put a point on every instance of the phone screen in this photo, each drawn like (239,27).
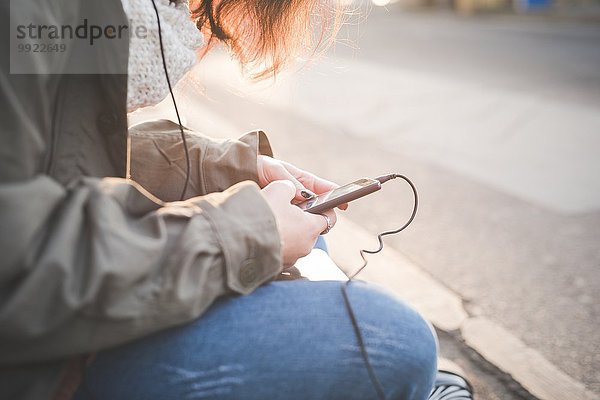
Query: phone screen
(336,193)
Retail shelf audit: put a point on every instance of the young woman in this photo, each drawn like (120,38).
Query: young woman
(112,289)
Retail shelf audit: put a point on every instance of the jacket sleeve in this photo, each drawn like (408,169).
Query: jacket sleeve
(102,263)
(157,162)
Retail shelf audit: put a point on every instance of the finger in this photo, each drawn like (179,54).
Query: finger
(320,185)
(317,184)
(320,222)
(278,171)
(302,193)
(283,188)
(332,217)
(310,181)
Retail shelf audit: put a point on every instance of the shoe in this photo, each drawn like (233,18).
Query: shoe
(450,386)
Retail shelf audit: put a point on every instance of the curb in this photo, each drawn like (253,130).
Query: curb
(445,310)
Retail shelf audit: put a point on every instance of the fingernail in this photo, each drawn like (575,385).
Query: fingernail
(307,194)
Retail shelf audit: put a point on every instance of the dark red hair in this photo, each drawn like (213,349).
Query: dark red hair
(265,35)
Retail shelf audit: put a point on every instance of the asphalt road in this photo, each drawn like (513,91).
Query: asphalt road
(497,120)
(547,56)
(531,266)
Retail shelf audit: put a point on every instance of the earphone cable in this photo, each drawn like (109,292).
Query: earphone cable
(380,236)
(188,166)
(359,337)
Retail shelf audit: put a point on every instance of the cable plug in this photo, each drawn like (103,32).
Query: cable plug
(384,178)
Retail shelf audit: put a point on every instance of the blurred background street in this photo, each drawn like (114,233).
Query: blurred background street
(496,117)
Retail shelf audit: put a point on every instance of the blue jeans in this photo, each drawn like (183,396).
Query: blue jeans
(287,340)
(321,244)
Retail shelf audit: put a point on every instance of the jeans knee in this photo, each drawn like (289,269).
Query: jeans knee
(424,360)
(404,346)
(416,368)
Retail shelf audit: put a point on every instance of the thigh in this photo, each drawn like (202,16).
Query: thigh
(287,340)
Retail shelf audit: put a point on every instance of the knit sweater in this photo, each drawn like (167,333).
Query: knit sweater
(147,84)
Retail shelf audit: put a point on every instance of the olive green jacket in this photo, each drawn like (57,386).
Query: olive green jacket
(90,259)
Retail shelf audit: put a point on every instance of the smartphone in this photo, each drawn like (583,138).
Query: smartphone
(341,195)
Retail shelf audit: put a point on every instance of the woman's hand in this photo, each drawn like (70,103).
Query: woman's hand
(305,183)
(298,229)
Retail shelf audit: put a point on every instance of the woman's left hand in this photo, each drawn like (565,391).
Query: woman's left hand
(307,185)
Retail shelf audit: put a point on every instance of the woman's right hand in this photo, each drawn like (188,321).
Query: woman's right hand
(298,230)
